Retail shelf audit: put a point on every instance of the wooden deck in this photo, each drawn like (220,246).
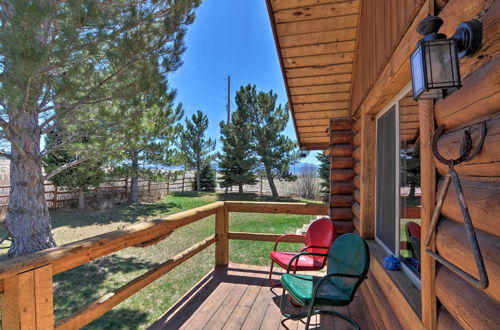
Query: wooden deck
(239,297)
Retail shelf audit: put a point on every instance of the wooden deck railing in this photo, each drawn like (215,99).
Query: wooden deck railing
(26,282)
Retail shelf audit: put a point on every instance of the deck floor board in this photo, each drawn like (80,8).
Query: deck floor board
(239,297)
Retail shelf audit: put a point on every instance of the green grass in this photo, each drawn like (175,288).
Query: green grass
(75,288)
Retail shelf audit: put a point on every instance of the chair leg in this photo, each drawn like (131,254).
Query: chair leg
(273,283)
(311,311)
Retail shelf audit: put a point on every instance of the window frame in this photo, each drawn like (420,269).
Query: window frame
(394,102)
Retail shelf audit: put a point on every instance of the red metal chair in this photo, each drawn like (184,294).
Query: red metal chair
(318,239)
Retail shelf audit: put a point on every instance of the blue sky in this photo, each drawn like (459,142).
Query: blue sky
(228,37)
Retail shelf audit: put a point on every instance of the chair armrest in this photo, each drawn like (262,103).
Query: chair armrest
(296,257)
(283,236)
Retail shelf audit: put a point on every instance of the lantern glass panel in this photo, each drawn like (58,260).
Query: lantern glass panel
(441,64)
(417,72)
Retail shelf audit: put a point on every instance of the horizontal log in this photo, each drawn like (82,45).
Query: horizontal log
(445,321)
(341,124)
(357,167)
(77,253)
(357,126)
(341,213)
(386,313)
(341,137)
(357,181)
(472,308)
(453,244)
(374,316)
(477,100)
(356,140)
(357,224)
(342,162)
(357,195)
(356,154)
(108,301)
(263,237)
(341,200)
(341,150)
(341,188)
(483,202)
(490,45)
(356,210)
(486,165)
(343,226)
(278,208)
(341,174)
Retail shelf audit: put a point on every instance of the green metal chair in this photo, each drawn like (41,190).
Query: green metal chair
(347,266)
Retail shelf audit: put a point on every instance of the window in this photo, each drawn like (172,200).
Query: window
(397,224)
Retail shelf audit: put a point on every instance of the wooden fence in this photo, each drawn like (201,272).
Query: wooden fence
(26,282)
(57,196)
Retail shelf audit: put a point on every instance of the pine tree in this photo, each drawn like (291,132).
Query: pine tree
(82,176)
(237,163)
(63,62)
(197,150)
(324,174)
(275,151)
(207,178)
(149,126)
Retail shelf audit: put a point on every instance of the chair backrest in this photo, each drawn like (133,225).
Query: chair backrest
(413,229)
(349,254)
(320,233)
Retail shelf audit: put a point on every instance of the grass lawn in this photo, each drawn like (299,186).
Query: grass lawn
(75,288)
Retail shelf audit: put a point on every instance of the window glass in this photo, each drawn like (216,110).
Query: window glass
(386,180)
(409,182)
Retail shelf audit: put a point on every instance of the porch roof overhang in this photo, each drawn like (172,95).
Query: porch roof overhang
(315,41)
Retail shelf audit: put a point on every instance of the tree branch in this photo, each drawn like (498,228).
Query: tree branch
(64,167)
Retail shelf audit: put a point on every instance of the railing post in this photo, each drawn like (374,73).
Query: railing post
(28,300)
(221,231)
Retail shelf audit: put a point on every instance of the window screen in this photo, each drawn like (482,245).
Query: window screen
(386,179)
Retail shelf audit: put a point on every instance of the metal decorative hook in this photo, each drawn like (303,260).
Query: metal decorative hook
(466,154)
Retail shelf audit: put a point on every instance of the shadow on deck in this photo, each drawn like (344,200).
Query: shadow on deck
(239,297)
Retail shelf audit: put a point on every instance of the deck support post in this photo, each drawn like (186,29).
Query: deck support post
(28,300)
(221,231)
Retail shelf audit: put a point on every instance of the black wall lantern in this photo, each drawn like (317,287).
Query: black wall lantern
(434,63)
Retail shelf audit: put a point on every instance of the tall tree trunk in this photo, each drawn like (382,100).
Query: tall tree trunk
(270,179)
(198,183)
(413,188)
(81,199)
(133,197)
(240,188)
(28,220)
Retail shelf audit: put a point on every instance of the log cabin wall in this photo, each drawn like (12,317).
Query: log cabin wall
(382,25)
(477,101)
(341,173)
(447,301)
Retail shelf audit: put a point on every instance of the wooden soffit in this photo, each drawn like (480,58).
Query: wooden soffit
(315,40)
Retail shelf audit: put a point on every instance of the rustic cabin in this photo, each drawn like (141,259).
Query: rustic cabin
(404,97)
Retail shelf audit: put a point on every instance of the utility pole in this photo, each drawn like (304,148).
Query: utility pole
(228,99)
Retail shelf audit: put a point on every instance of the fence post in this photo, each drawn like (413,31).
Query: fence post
(168,187)
(183,178)
(126,187)
(149,186)
(221,231)
(54,199)
(28,300)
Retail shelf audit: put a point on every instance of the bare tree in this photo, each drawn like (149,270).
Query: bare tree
(308,181)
